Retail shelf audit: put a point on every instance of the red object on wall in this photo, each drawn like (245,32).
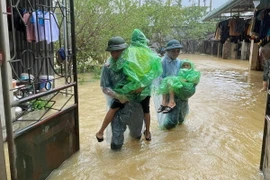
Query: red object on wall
(1,59)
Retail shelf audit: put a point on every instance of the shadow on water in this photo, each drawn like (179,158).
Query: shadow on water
(220,139)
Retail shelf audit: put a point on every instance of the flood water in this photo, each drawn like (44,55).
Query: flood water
(220,139)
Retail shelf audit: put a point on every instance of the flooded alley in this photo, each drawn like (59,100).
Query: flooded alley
(220,139)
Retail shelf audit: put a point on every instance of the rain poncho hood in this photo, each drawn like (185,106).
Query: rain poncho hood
(139,39)
(189,75)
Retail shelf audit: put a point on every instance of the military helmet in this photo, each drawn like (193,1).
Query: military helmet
(116,43)
(173,44)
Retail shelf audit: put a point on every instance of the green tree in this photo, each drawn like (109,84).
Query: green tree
(191,26)
(160,20)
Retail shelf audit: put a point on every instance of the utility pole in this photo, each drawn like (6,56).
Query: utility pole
(210,5)
(199,3)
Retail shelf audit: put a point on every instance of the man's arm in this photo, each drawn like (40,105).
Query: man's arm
(106,85)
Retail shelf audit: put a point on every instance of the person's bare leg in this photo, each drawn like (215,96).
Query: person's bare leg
(265,84)
(147,126)
(171,100)
(164,101)
(108,118)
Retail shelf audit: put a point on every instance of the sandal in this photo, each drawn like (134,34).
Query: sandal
(161,108)
(168,109)
(149,138)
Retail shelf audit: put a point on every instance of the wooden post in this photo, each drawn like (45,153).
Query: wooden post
(253,57)
(226,50)
(212,47)
(244,50)
(219,50)
(234,51)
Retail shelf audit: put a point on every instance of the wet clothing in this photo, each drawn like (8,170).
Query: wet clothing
(176,116)
(117,104)
(145,104)
(130,115)
(136,68)
(170,67)
(266,70)
(109,76)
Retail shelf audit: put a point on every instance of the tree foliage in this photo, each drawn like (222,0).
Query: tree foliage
(160,20)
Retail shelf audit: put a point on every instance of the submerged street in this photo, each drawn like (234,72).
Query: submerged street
(220,139)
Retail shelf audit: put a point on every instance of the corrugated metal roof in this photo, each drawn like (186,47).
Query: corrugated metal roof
(231,6)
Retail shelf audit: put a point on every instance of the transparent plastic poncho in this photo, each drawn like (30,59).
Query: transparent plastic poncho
(130,116)
(184,84)
(140,65)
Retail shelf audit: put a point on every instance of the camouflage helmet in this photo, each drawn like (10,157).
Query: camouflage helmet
(116,43)
(173,44)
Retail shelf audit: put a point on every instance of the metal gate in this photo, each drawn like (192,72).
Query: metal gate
(39,85)
(265,152)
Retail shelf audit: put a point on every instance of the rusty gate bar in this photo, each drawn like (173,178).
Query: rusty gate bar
(3,173)
(4,47)
(73,44)
(264,144)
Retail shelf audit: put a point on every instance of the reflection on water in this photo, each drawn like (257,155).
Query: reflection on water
(221,138)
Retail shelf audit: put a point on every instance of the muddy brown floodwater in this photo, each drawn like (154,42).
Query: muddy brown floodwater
(220,139)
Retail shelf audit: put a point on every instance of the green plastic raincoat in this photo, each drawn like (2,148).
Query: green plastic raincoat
(140,65)
(184,84)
